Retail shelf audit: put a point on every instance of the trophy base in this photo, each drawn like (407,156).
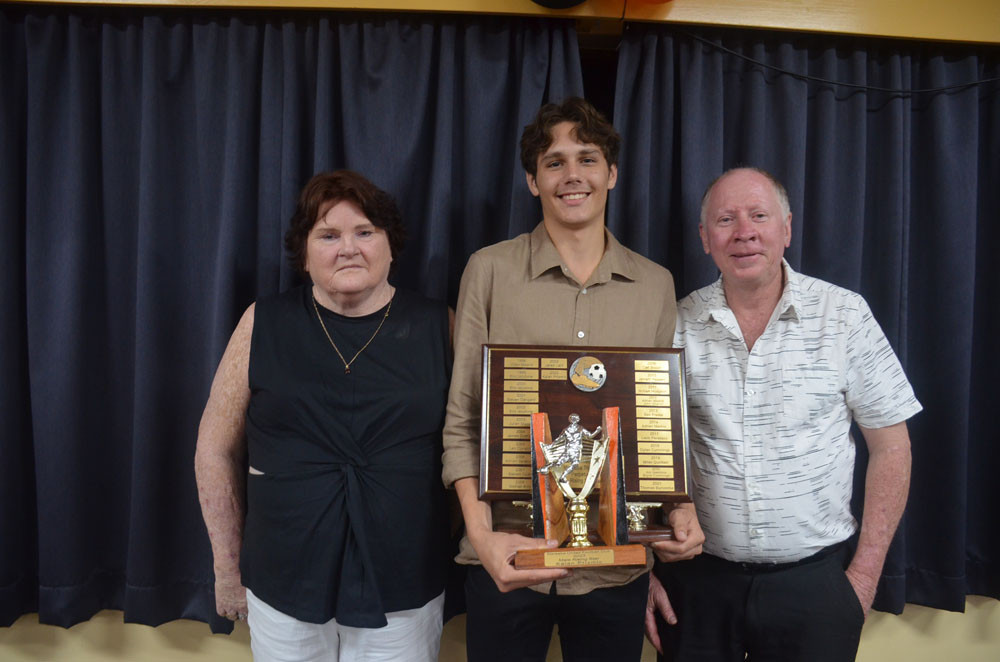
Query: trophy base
(580,557)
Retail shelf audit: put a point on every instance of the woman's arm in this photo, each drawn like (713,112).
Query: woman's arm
(219,467)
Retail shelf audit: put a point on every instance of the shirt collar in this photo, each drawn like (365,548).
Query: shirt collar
(788,306)
(615,261)
(790,303)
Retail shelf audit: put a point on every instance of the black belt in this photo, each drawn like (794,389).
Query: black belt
(774,567)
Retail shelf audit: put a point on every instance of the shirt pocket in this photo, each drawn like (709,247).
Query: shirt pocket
(812,386)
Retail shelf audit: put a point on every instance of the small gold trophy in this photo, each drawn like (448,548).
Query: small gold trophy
(562,457)
(557,463)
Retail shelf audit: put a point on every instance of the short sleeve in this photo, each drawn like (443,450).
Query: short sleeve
(878,392)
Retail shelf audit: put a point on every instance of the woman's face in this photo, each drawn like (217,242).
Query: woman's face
(347,257)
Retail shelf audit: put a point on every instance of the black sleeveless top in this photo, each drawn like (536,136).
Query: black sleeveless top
(348,520)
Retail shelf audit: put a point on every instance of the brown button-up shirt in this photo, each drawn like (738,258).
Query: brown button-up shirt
(520,292)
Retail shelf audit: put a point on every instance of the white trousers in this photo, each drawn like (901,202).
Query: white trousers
(412,635)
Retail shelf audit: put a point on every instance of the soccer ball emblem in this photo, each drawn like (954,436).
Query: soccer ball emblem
(588,373)
(597,373)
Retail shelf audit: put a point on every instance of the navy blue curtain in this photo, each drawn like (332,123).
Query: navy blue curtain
(892,162)
(149,163)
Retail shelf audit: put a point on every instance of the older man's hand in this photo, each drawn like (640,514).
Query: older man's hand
(688,536)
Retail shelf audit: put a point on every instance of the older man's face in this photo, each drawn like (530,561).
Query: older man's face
(745,229)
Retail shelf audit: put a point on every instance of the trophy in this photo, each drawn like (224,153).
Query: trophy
(562,456)
(594,454)
(623,436)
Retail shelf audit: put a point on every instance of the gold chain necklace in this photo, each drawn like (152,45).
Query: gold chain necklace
(347,364)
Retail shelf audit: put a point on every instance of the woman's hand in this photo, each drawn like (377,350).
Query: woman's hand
(230,598)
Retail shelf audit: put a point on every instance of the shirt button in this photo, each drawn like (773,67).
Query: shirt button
(580,334)
(583,291)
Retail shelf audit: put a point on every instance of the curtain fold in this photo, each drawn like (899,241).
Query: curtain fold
(18,553)
(891,163)
(149,163)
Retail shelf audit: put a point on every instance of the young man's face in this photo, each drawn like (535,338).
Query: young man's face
(572,180)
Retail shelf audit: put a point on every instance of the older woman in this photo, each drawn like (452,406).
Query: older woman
(335,392)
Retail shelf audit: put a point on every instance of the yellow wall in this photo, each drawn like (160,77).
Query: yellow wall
(954,20)
(951,20)
(919,635)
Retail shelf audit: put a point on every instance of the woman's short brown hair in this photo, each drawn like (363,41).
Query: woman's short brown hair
(327,189)
(591,127)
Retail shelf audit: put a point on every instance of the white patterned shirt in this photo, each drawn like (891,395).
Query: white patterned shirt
(772,455)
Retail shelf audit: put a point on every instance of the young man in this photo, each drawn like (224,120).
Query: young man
(778,364)
(568,282)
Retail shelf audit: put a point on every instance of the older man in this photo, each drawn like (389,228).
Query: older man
(778,365)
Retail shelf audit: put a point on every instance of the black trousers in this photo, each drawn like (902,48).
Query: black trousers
(605,624)
(729,611)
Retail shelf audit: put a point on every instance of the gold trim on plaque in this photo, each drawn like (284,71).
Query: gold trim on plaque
(517,458)
(520,396)
(656,472)
(652,401)
(517,446)
(516,484)
(653,447)
(652,365)
(652,389)
(520,408)
(516,471)
(579,557)
(652,424)
(510,385)
(656,460)
(652,435)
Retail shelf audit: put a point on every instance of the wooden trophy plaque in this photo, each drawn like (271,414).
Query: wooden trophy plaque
(644,385)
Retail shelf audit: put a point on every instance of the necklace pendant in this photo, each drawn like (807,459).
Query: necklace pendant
(347,364)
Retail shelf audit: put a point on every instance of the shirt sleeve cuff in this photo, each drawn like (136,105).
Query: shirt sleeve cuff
(459,463)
